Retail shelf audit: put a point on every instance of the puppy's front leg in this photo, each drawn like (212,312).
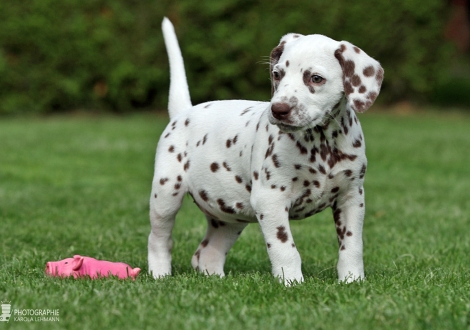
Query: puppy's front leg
(273,217)
(348,213)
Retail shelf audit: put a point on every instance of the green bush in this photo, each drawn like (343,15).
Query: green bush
(109,55)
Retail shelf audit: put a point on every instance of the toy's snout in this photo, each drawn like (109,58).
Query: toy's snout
(52,268)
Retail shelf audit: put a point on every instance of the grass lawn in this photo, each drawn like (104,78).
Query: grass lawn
(81,185)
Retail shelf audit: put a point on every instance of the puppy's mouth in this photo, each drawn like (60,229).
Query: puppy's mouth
(291,128)
(288,128)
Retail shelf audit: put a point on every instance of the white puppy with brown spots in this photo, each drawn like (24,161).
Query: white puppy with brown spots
(268,162)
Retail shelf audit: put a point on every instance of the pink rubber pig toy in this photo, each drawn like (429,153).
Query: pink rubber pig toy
(79,266)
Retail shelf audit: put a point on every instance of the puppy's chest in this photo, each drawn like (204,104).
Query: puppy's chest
(315,169)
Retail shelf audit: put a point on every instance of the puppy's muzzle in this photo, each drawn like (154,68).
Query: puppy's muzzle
(281,111)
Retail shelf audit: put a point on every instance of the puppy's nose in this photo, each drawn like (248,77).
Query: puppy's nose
(280,111)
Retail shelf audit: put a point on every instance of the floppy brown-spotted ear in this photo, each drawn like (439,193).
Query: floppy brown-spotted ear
(362,76)
(277,52)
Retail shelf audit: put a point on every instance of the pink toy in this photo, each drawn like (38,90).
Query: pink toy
(79,266)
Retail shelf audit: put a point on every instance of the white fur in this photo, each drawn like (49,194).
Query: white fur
(245,161)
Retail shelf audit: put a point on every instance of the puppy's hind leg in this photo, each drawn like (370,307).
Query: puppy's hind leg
(165,201)
(211,253)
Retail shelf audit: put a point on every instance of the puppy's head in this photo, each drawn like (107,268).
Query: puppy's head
(311,75)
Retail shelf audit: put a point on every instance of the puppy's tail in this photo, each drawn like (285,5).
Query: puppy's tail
(179,98)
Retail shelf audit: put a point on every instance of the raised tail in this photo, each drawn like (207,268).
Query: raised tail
(179,98)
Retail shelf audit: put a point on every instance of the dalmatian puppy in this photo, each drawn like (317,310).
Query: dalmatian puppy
(268,162)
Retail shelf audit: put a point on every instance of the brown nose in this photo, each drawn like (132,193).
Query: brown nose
(280,111)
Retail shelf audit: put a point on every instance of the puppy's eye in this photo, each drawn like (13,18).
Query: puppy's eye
(276,75)
(316,79)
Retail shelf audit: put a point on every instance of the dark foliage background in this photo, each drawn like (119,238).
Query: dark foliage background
(58,55)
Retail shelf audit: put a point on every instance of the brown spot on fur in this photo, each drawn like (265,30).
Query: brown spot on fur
(186,123)
(363,171)
(357,144)
(204,243)
(203,195)
(348,68)
(276,161)
(239,205)
(282,234)
(348,89)
(224,164)
(163,180)
(356,80)
(369,71)
(380,76)
(214,167)
(255,175)
(302,149)
(238,179)
(224,208)
(306,77)
(359,105)
(186,166)
(228,143)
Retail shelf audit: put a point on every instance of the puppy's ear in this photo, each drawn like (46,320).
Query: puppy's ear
(362,76)
(277,52)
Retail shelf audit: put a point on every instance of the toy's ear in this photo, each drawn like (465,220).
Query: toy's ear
(362,76)
(277,52)
(77,262)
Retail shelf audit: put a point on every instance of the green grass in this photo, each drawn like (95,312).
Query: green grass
(81,186)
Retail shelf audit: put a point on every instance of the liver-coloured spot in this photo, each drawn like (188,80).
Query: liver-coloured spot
(349,67)
(225,208)
(348,89)
(282,234)
(276,161)
(369,71)
(224,164)
(356,80)
(214,167)
(203,195)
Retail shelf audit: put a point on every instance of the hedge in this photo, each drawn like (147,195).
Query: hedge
(58,55)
